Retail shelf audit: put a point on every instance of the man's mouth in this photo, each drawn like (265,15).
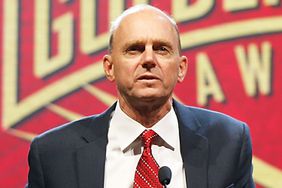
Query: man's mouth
(148,77)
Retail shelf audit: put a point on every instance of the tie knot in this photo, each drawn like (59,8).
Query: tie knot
(147,137)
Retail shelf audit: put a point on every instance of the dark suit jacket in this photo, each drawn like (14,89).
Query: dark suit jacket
(216,151)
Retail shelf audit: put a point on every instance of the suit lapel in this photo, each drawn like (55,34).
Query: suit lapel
(91,162)
(194,147)
(91,156)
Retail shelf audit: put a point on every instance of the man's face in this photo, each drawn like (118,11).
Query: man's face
(145,62)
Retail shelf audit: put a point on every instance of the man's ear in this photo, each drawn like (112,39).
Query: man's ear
(108,67)
(182,69)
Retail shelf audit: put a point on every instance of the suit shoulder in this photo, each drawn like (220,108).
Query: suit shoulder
(64,136)
(76,132)
(212,124)
(68,127)
(209,119)
(213,116)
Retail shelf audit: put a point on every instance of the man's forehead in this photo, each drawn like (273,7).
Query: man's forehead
(155,22)
(145,38)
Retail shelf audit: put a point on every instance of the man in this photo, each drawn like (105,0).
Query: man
(201,147)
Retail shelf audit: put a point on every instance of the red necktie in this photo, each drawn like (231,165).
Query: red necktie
(146,175)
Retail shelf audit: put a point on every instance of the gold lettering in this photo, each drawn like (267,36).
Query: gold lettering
(136,2)
(90,41)
(271,2)
(207,83)
(181,11)
(266,174)
(43,63)
(15,110)
(235,5)
(116,8)
(10,58)
(231,30)
(255,68)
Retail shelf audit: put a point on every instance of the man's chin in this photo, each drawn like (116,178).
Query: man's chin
(151,98)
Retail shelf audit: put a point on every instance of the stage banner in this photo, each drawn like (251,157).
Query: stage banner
(51,70)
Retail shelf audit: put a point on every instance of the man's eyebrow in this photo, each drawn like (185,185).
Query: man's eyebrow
(162,43)
(134,43)
(157,42)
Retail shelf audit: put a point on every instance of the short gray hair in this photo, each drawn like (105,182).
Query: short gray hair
(115,24)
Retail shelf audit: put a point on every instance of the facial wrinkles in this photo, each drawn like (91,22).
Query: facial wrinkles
(147,62)
(146,42)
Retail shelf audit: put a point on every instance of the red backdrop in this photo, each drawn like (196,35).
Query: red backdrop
(51,73)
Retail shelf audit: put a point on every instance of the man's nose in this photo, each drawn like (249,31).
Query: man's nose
(149,59)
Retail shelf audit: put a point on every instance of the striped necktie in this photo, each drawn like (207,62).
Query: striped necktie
(146,175)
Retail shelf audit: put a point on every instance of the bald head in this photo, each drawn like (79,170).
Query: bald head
(139,9)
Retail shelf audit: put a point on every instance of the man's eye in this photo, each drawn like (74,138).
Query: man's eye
(162,49)
(135,49)
(132,49)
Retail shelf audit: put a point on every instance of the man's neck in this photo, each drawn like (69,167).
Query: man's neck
(146,113)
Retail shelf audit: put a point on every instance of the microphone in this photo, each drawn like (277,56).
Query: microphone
(164,175)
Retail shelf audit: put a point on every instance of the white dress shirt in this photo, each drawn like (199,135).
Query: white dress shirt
(124,149)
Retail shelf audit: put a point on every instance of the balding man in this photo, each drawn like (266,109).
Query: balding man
(146,128)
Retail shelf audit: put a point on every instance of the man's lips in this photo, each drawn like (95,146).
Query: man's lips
(148,77)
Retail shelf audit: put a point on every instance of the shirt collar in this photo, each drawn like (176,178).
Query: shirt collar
(127,129)
(167,129)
